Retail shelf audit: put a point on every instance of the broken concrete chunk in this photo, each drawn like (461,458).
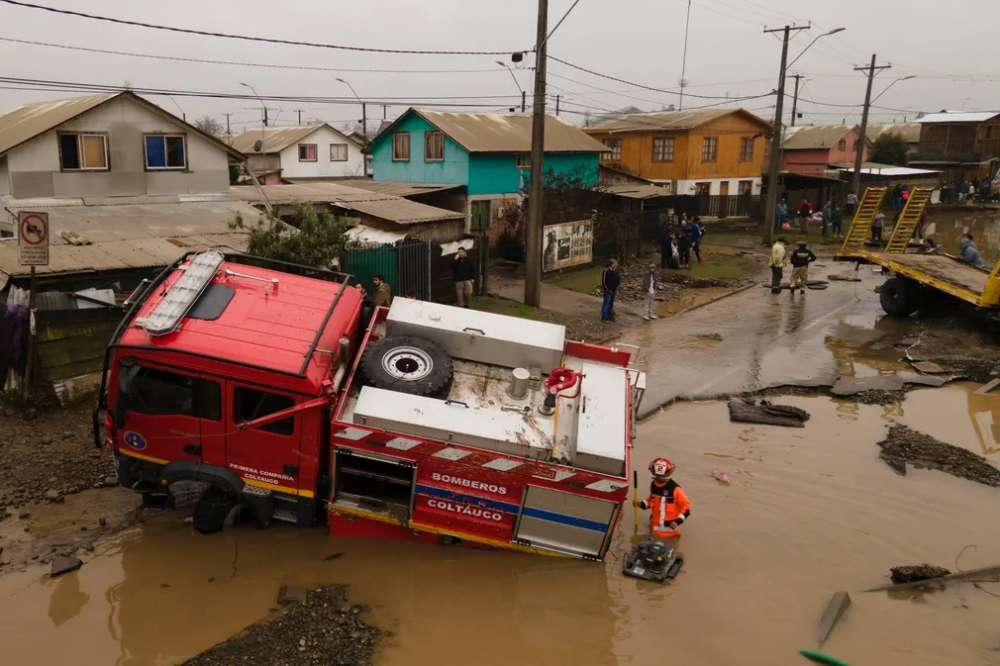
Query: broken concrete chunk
(847,386)
(62,565)
(834,611)
(911,574)
(927,366)
(746,411)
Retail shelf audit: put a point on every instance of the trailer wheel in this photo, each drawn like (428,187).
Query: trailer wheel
(409,365)
(899,297)
(213,510)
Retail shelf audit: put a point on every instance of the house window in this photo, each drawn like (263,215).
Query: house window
(842,145)
(702,188)
(307,152)
(663,150)
(82,152)
(746,187)
(165,151)
(401,147)
(709,149)
(524,160)
(746,149)
(433,146)
(857,142)
(159,392)
(616,150)
(250,404)
(338,152)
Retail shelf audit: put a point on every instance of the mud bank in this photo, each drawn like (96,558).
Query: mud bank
(322,628)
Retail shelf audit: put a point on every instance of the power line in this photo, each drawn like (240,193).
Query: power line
(269,40)
(243,64)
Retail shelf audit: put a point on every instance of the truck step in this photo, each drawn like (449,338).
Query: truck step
(254,490)
(286,516)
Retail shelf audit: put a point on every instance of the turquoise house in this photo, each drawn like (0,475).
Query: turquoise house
(487,153)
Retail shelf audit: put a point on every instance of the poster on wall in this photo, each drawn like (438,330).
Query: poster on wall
(567,244)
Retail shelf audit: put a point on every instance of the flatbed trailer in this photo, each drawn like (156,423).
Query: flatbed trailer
(915,277)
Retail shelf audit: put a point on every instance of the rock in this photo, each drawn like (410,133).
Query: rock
(60,499)
(103,521)
(111,480)
(62,564)
(45,441)
(24,514)
(910,574)
(928,367)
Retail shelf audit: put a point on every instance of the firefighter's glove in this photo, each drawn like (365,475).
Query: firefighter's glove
(643,504)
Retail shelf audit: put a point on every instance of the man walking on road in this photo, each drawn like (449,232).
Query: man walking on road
(462,275)
(610,279)
(649,289)
(801,258)
(777,265)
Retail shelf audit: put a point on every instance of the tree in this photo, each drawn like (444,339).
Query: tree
(311,239)
(209,125)
(890,148)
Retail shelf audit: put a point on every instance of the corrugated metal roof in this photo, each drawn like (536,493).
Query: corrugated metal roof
(910,131)
(276,139)
(394,189)
(505,133)
(26,122)
(669,120)
(383,206)
(130,235)
(874,169)
(815,137)
(637,191)
(959,117)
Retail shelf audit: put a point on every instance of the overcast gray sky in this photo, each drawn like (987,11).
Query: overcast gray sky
(942,44)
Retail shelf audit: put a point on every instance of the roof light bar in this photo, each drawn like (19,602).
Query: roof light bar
(167,316)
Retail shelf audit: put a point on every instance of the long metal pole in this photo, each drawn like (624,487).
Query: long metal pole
(533,234)
(684,57)
(772,177)
(795,98)
(524,101)
(858,158)
(29,361)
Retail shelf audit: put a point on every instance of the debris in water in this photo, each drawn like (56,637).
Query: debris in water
(898,465)
(834,611)
(848,386)
(332,557)
(748,411)
(911,574)
(317,630)
(985,574)
(707,336)
(721,477)
(62,564)
(904,444)
(821,658)
(986,388)
(842,278)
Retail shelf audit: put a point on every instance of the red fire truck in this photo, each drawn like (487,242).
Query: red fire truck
(279,388)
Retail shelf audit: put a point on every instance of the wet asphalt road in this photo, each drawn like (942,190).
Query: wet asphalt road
(766,339)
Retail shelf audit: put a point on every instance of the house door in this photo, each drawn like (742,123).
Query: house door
(481,211)
(724,188)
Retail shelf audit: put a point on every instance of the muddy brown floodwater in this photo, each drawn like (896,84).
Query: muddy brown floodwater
(808,512)
(984,225)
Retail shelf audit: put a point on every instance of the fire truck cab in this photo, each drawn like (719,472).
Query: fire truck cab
(292,400)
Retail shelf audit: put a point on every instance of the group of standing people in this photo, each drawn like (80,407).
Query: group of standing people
(971,191)
(677,243)
(800,259)
(832,218)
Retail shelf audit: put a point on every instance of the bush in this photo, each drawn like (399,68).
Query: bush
(510,247)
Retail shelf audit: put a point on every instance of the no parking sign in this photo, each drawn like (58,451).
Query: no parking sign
(33,239)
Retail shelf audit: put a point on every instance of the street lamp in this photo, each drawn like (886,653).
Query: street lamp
(818,37)
(905,78)
(364,115)
(521,90)
(263,119)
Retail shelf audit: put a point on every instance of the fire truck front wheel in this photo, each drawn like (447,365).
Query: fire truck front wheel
(212,510)
(409,365)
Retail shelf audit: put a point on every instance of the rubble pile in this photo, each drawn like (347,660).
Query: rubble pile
(904,445)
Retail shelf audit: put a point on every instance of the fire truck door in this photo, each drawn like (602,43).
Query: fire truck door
(565,522)
(171,415)
(266,456)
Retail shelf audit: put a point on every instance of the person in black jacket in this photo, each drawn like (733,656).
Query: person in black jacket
(463,275)
(801,258)
(367,307)
(610,280)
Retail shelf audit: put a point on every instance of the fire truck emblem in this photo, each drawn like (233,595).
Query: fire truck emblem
(135,440)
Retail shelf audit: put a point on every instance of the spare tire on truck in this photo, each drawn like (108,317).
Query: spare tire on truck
(900,297)
(408,364)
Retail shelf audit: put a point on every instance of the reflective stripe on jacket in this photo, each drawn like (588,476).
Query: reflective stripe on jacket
(667,504)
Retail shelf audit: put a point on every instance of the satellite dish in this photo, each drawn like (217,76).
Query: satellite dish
(258,144)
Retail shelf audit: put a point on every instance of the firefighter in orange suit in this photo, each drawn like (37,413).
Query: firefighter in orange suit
(668,505)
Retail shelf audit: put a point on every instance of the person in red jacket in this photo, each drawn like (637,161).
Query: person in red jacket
(668,505)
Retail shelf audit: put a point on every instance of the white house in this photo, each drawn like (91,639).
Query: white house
(300,152)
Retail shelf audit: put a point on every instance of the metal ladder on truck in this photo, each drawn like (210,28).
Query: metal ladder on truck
(909,219)
(861,226)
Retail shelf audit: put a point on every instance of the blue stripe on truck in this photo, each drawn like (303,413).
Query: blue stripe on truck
(565,520)
(474,500)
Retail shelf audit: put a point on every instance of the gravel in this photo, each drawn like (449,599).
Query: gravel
(321,629)
(904,445)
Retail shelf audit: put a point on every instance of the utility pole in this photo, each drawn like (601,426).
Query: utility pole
(265,116)
(533,234)
(557,105)
(299,111)
(524,100)
(364,120)
(795,98)
(227,122)
(776,138)
(384,111)
(856,181)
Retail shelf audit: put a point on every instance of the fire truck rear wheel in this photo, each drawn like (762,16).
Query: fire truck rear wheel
(212,510)
(409,365)
(900,297)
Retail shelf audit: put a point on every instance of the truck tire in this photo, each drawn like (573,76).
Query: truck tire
(408,364)
(899,297)
(212,510)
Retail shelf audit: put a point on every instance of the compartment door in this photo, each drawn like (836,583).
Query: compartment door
(565,522)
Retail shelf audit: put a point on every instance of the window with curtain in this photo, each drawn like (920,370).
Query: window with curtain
(434,146)
(663,150)
(165,151)
(709,149)
(307,152)
(79,152)
(746,149)
(401,147)
(338,152)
